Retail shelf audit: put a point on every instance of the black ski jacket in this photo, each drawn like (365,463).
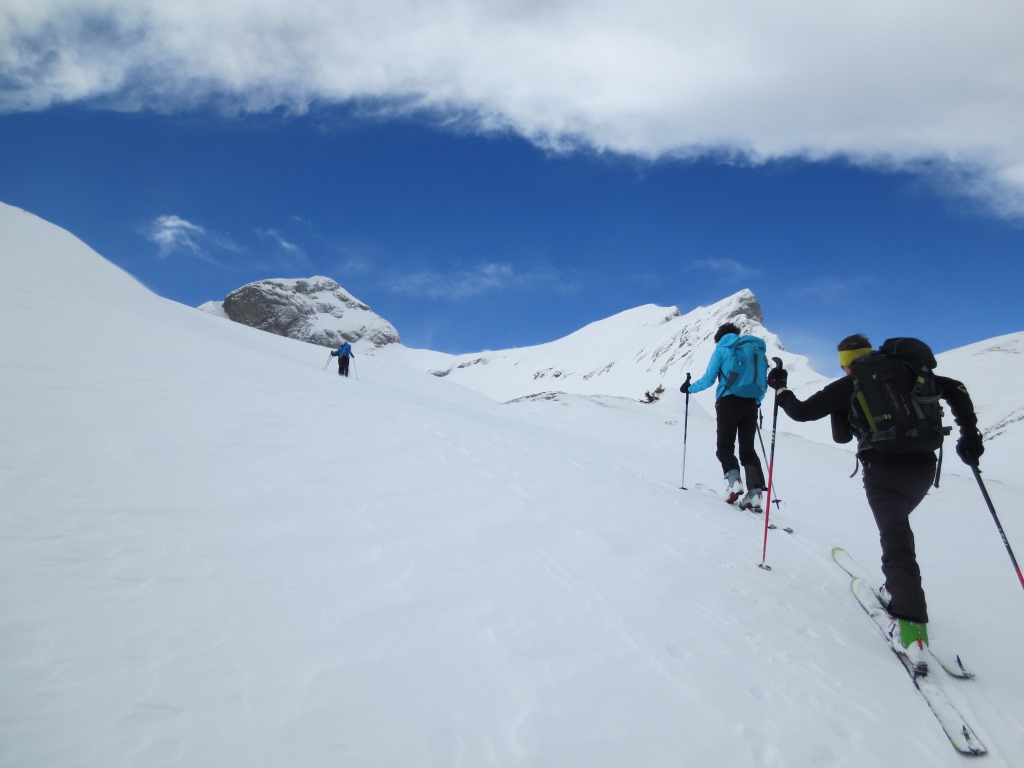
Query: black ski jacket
(834,401)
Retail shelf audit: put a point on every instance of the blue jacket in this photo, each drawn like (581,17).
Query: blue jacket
(345,350)
(722,352)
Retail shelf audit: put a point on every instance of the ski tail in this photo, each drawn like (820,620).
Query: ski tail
(951,666)
(956,728)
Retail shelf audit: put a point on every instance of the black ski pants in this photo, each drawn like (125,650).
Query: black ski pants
(343,365)
(893,493)
(737,417)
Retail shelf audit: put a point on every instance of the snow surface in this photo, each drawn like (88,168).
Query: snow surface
(215,552)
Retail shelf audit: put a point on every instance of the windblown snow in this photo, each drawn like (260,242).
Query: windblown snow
(214,551)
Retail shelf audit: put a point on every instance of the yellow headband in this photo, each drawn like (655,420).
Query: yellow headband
(847,356)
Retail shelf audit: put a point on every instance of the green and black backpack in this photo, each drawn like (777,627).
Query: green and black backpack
(895,406)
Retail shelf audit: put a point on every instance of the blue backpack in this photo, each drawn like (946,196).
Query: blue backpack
(745,371)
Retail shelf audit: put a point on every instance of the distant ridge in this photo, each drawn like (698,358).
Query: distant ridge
(623,355)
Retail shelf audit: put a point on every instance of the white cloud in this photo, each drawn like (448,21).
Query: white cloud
(173,233)
(889,84)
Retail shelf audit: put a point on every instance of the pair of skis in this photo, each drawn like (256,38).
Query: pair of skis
(955,726)
(749,513)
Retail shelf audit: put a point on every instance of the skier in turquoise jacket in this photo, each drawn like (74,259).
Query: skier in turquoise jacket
(736,417)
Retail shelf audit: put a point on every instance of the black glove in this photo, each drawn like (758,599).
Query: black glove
(970,447)
(685,387)
(778,378)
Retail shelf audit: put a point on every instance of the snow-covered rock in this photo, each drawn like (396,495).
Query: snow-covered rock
(314,309)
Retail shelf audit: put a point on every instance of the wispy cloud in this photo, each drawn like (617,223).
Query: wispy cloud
(477,280)
(937,83)
(729,268)
(831,288)
(277,238)
(172,234)
(284,254)
(457,285)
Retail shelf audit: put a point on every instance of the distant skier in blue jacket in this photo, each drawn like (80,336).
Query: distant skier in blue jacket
(343,353)
(736,416)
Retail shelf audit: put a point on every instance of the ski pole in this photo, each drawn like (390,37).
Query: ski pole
(1002,533)
(777,502)
(686,426)
(771,468)
(327,363)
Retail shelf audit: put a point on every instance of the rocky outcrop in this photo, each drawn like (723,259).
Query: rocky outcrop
(747,306)
(315,309)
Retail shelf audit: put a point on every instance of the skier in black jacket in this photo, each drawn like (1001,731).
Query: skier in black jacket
(894,485)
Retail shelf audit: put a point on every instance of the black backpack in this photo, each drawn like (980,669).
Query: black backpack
(895,405)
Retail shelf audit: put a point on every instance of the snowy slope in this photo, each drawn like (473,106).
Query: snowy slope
(991,370)
(638,350)
(216,553)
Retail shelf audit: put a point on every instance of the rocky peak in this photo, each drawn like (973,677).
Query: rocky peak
(747,306)
(315,309)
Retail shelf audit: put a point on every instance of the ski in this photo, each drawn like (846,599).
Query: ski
(960,734)
(759,516)
(954,668)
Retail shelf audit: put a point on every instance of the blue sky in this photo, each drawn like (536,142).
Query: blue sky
(489,207)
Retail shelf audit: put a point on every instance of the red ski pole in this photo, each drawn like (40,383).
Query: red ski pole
(771,468)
